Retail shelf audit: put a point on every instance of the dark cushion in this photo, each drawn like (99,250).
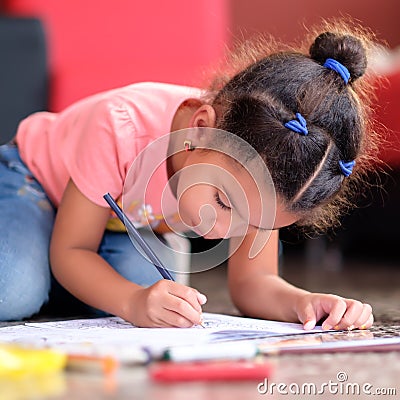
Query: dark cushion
(23,72)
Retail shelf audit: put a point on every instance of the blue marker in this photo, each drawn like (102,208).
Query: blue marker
(139,239)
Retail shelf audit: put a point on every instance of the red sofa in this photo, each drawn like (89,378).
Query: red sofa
(94,45)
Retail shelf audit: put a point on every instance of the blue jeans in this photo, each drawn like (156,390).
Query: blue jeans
(26,222)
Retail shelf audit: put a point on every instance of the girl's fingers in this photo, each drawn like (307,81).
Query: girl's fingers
(353,312)
(366,319)
(356,315)
(167,303)
(202,299)
(335,314)
(367,324)
(190,295)
(307,317)
(172,312)
(170,319)
(185,304)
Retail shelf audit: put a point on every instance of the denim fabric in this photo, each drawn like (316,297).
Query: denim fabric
(118,250)
(26,221)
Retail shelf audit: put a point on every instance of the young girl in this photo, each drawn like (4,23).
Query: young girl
(304,114)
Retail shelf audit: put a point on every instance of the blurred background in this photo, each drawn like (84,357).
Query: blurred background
(53,52)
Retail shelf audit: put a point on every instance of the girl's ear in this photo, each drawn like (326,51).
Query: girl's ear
(203,117)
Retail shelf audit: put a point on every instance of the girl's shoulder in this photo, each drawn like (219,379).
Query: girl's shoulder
(141,97)
(156,89)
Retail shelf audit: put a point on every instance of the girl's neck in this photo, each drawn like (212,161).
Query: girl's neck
(181,120)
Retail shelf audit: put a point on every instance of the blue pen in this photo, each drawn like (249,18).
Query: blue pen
(139,239)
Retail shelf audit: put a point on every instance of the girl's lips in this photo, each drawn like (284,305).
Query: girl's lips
(194,228)
(208,235)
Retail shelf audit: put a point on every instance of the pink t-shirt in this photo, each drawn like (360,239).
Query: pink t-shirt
(95,141)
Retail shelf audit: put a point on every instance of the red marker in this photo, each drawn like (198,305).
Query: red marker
(210,371)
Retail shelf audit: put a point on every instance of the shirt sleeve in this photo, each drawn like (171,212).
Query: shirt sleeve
(99,146)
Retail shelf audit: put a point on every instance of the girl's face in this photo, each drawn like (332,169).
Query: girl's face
(218,198)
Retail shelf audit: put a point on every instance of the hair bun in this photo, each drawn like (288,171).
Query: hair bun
(344,48)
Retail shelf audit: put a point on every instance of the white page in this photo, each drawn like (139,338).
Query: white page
(211,321)
(113,335)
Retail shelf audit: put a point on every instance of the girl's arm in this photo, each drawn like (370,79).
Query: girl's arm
(78,231)
(258,291)
(254,284)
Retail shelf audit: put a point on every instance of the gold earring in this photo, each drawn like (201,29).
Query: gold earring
(187,144)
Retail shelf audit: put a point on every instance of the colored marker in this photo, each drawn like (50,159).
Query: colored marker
(212,351)
(210,371)
(138,237)
(96,364)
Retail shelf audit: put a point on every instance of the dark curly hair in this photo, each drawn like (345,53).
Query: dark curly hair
(276,82)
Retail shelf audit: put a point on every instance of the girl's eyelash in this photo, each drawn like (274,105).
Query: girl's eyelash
(220,202)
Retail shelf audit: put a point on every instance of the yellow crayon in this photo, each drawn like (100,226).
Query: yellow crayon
(16,361)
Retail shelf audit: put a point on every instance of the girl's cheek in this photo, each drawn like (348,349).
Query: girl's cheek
(188,211)
(182,210)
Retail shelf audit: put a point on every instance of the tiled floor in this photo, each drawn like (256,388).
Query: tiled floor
(373,282)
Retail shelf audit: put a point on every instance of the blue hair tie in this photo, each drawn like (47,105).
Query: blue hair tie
(336,66)
(298,125)
(346,167)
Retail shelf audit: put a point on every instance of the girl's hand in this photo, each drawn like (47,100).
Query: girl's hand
(166,304)
(340,313)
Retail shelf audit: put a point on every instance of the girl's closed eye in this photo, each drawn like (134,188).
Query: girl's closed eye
(220,202)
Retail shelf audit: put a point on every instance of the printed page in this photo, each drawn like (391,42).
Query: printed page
(113,334)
